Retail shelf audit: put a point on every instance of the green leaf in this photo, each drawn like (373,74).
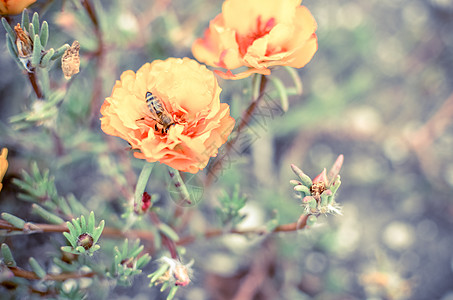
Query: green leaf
(124,249)
(90,227)
(143,261)
(44,34)
(142,182)
(37,269)
(8,258)
(35,21)
(46,58)
(172,292)
(98,231)
(48,216)
(71,239)
(136,251)
(11,35)
(13,220)
(168,231)
(25,19)
(281,89)
(60,51)
(83,224)
(296,79)
(306,180)
(76,223)
(36,57)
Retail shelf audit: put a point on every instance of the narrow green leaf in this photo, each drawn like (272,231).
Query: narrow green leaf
(172,292)
(95,248)
(67,249)
(136,252)
(63,205)
(124,249)
(36,268)
(143,261)
(64,266)
(44,34)
(142,182)
(35,171)
(76,223)
(13,220)
(80,249)
(303,189)
(48,216)
(83,224)
(13,51)
(72,229)
(8,258)
(71,239)
(46,58)
(36,57)
(164,286)
(98,231)
(10,32)
(159,272)
(90,226)
(60,51)
(35,21)
(168,231)
(31,29)
(281,89)
(306,180)
(296,79)
(25,19)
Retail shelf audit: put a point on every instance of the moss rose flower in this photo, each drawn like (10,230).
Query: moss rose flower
(3,165)
(258,34)
(189,95)
(14,7)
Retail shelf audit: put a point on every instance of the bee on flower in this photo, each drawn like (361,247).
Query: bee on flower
(169,111)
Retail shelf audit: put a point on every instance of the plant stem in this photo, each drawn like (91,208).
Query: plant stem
(34,84)
(246,116)
(18,272)
(146,235)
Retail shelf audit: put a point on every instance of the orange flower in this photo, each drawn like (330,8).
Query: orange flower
(193,123)
(14,7)
(3,165)
(258,34)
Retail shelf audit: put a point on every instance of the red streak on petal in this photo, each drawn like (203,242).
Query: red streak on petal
(261,30)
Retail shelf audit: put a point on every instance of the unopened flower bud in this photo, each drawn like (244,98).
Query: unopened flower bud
(85,240)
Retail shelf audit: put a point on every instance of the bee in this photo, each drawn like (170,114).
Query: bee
(158,112)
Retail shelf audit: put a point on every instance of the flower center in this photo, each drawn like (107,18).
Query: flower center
(262,28)
(317,189)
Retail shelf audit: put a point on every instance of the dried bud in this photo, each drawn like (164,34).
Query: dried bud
(85,240)
(24,45)
(144,205)
(70,61)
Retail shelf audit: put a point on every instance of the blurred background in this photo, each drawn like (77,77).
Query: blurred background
(379,90)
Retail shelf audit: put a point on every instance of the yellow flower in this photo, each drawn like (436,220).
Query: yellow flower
(14,7)
(169,111)
(258,34)
(3,165)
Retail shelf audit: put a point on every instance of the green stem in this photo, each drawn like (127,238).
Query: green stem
(142,182)
(181,188)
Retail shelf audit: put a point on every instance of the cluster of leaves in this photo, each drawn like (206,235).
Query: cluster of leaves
(127,263)
(230,206)
(39,188)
